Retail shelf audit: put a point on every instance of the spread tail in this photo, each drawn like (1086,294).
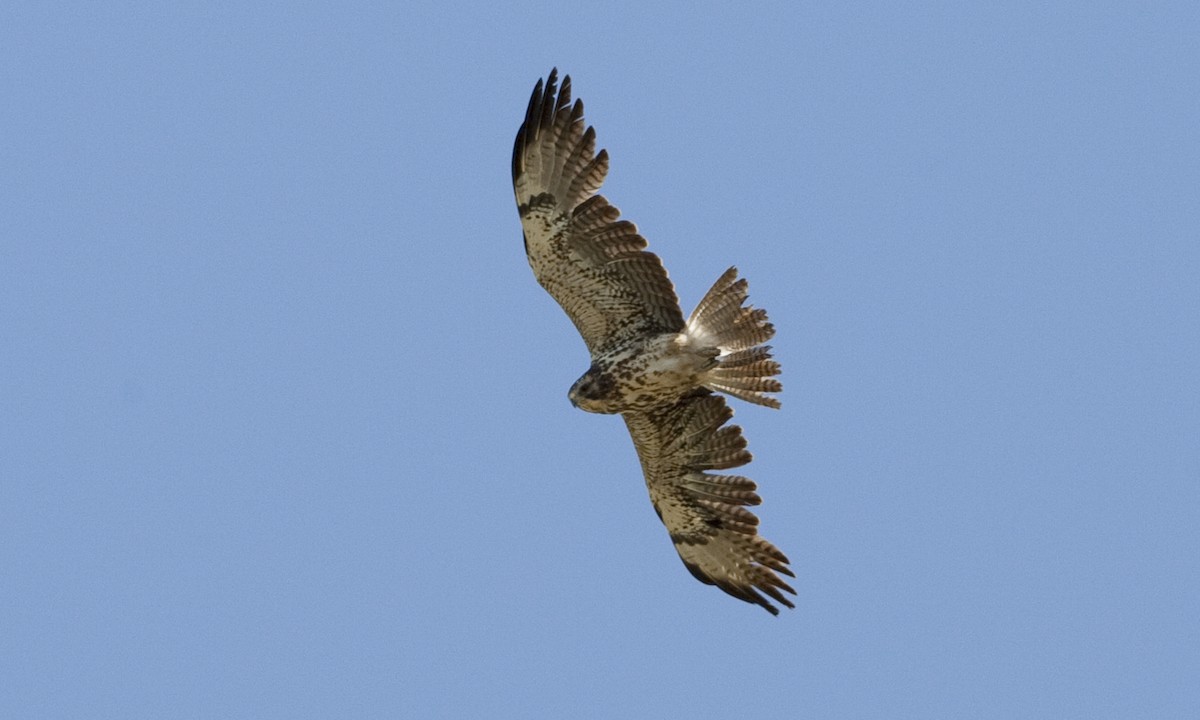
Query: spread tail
(744,368)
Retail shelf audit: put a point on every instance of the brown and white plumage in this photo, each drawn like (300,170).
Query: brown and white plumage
(705,514)
(592,263)
(649,364)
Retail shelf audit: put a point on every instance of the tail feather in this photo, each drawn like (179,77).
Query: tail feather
(763,368)
(747,357)
(722,321)
(717,294)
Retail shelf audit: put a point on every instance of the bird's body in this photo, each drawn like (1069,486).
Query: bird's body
(641,374)
(649,364)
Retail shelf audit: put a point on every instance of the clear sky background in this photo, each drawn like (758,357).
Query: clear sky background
(283,418)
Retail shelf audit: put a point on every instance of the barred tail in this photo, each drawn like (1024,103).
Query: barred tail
(744,366)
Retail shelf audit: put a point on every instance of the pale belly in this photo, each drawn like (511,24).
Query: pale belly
(657,373)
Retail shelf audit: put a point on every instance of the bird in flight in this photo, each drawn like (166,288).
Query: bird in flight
(660,372)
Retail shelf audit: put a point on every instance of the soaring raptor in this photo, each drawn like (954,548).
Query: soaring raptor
(659,371)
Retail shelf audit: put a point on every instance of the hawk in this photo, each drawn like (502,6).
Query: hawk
(660,372)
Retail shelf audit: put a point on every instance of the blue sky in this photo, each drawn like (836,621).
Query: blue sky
(283,417)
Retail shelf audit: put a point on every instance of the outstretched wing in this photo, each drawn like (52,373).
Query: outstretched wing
(715,535)
(592,263)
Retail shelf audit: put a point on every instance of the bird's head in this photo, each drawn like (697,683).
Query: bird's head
(592,391)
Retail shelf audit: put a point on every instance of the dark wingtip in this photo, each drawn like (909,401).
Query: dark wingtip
(745,594)
(543,95)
